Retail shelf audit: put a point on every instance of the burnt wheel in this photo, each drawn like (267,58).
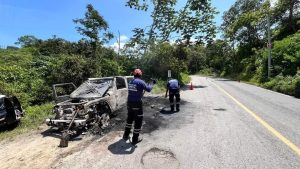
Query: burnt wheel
(104,115)
(104,122)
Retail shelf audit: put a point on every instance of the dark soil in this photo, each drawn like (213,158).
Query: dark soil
(153,119)
(156,115)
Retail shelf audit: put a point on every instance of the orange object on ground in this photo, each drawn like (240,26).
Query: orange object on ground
(191,86)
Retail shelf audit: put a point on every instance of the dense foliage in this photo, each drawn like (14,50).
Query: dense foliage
(245,28)
(30,71)
(193,23)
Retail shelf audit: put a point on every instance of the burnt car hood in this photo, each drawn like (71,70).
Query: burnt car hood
(91,89)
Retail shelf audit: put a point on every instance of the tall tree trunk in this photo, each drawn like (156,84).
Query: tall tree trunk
(291,22)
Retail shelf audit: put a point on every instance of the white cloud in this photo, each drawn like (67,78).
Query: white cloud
(173,40)
(273,3)
(123,38)
(115,46)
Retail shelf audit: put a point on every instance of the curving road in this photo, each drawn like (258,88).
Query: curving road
(222,124)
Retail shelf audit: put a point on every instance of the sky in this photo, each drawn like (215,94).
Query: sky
(45,18)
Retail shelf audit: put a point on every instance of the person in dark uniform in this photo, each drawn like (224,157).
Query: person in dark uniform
(173,87)
(136,89)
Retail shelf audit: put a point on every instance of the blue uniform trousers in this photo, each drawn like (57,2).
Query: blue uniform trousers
(135,114)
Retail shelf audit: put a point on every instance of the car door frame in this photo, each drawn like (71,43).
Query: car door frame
(121,93)
(61,98)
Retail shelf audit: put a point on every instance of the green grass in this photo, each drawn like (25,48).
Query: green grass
(185,78)
(34,117)
(159,87)
(206,72)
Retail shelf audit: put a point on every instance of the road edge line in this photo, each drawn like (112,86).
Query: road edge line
(262,122)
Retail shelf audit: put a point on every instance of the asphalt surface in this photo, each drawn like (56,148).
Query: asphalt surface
(215,128)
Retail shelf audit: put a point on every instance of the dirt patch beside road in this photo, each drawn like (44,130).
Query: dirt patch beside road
(39,149)
(32,150)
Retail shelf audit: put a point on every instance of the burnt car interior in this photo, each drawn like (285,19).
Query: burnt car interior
(61,92)
(120,83)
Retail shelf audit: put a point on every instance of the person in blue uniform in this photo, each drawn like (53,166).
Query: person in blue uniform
(136,89)
(173,87)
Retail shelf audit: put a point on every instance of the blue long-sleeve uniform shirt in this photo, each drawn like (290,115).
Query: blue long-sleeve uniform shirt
(173,84)
(136,88)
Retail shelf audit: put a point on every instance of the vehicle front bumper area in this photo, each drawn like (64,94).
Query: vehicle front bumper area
(59,122)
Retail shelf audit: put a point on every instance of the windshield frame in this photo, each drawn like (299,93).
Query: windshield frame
(92,88)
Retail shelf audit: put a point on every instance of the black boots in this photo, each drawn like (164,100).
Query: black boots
(177,107)
(172,108)
(126,134)
(136,139)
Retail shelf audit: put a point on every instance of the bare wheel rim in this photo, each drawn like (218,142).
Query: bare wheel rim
(104,120)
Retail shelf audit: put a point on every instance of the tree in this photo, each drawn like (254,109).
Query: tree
(66,68)
(219,57)
(194,20)
(163,57)
(28,41)
(196,58)
(95,29)
(54,46)
(287,15)
(245,22)
(91,27)
(245,27)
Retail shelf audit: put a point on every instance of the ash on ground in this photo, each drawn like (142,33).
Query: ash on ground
(155,108)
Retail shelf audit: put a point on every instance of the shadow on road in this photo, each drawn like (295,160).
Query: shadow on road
(58,134)
(10,127)
(167,112)
(220,109)
(224,80)
(188,87)
(51,133)
(121,147)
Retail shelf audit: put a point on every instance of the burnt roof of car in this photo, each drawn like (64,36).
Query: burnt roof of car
(100,78)
(93,88)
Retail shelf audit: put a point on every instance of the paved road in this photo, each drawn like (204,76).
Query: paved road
(222,124)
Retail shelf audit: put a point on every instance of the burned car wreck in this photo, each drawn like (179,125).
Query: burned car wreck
(88,107)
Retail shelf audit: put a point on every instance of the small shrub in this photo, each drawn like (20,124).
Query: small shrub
(159,87)
(184,78)
(206,72)
(297,84)
(285,84)
(35,115)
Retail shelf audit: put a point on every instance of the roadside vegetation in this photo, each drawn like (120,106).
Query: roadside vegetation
(35,116)
(244,55)
(29,71)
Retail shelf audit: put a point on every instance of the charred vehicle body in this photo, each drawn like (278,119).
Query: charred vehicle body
(10,110)
(90,106)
